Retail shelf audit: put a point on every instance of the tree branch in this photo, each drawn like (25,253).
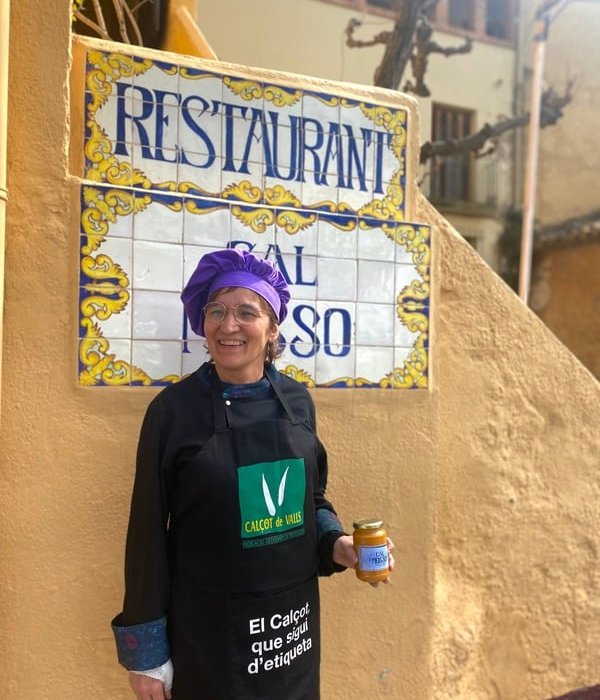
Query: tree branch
(124,16)
(399,48)
(135,8)
(381,38)
(118,5)
(551,112)
(409,40)
(419,59)
(134,26)
(100,17)
(103,34)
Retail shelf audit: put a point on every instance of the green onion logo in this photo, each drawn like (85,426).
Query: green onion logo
(271,496)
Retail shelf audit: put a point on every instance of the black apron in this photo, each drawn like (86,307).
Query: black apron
(244,613)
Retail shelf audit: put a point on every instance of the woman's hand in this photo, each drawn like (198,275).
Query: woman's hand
(146,688)
(344,554)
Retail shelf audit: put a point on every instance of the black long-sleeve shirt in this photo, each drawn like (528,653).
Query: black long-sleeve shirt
(177,424)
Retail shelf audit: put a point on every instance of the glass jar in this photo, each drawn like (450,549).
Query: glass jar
(370,545)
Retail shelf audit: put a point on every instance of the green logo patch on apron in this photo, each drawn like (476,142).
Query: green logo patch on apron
(271,501)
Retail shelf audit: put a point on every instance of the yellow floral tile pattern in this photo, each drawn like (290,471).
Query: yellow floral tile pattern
(182,161)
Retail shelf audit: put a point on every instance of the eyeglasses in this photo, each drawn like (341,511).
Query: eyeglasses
(215,312)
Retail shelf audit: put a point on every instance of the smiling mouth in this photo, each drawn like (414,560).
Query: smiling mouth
(231,343)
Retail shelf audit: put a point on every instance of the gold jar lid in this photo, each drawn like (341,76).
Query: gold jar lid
(367,524)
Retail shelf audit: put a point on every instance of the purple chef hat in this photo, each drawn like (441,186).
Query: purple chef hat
(233,268)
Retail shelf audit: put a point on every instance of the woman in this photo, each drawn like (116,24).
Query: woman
(229,525)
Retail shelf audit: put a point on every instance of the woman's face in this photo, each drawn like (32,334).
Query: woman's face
(239,349)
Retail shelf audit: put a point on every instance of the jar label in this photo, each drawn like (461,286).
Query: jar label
(373,557)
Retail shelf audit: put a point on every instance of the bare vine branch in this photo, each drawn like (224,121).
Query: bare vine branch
(551,112)
(398,49)
(353,24)
(118,5)
(411,40)
(100,16)
(423,47)
(140,4)
(124,15)
(102,33)
(134,26)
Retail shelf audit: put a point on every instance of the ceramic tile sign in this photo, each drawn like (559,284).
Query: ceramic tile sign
(181,160)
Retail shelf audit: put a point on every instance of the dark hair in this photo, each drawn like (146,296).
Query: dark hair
(274,348)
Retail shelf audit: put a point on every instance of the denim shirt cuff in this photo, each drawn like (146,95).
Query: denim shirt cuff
(143,646)
(327,522)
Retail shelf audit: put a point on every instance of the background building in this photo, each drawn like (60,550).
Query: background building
(566,289)
(467,90)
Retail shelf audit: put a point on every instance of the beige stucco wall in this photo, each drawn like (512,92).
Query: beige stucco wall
(488,481)
(516,566)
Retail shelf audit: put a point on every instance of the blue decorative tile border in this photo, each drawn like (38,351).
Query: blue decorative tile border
(182,161)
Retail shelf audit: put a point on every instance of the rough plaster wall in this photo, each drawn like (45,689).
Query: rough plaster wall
(64,451)
(377,641)
(33,519)
(518,493)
